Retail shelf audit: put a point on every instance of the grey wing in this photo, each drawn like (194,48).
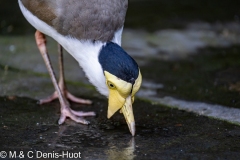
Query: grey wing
(81,19)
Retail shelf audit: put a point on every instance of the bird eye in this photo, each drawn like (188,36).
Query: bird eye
(111,85)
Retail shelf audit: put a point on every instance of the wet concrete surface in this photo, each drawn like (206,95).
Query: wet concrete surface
(180,58)
(162,132)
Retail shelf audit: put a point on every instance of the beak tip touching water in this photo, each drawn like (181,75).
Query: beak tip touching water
(132,128)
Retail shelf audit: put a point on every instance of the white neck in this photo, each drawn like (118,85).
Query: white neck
(86,53)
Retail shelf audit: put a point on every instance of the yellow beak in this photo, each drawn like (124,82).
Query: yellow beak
(116,102)
(128,114)
(121,97)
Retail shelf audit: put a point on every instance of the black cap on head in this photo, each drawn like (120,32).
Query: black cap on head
(117,62)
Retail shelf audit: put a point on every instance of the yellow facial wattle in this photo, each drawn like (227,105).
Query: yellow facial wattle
(121,97)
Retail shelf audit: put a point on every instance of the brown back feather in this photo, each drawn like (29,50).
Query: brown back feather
(81,19)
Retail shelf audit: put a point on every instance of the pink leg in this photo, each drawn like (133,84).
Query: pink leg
(66,111)
(62,85)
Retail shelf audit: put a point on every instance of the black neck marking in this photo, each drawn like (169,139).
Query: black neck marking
(117,62)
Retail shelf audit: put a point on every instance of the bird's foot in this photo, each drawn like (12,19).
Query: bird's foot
(76,116)
(68,95)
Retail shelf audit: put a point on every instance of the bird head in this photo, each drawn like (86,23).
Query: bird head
(123,79)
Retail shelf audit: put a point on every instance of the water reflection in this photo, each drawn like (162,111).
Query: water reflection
(117,153)
(54,144)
